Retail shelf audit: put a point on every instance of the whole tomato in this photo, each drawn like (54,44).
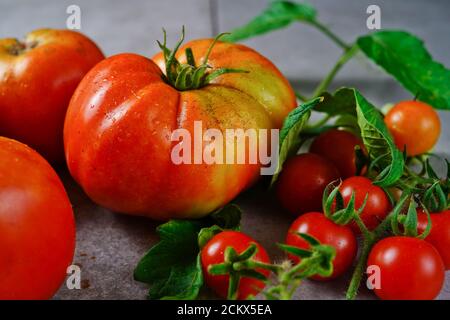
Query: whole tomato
(410,269)
(121,119)
(439,235)
(340,237)
(377,205)
(213,253)
(338,146)
(302,182)
(413,124)
(37,79)
(37,227)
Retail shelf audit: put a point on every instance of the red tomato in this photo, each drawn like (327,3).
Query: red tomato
(439,236)
(122,116)
(410,269)
(37,228)
(302,182)
(377,206)
(37,80)
(338,146)
(409,120)
(326,231)
(213,253)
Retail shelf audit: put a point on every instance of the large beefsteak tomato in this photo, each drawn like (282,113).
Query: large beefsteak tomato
(120,120)
(37,79)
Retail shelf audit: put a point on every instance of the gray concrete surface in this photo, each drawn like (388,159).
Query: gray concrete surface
(109,244)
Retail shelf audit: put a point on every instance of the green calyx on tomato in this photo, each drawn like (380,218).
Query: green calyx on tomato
(190,76)
(251,265)
(242,272)
(436,196)
(334,207)
(406,224)
(340,237)
(238,267)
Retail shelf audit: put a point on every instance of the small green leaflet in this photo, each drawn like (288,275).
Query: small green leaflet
(341,102)
(375,135)
(172,267)
(290,132)
(405,57)
(378,141)
(279,14)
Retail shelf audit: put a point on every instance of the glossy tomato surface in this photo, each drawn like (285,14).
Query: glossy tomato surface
(439,235)
(377,206)
(413,124)
(302,182)
(37,228)
(213,253)
(326,231)
(37,79)
(410,269)
(122,116)
(338,146)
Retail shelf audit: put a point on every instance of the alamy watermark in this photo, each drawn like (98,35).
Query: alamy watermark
(73,21)
(229,146)
(373,21)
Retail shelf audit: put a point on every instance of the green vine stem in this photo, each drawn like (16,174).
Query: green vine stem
(370,238)
(347,55)
(330,34)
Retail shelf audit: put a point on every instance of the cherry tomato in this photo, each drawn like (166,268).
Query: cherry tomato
(37,227)
(415,125)
(410,269)
(439,235)
(213,253)
(377,206)
(302,182)
(37,80)
(338,146)
(326,231)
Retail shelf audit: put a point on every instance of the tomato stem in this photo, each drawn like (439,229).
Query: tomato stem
(301,97)
(189,76)
(347,55)
(370,238)
(325,30)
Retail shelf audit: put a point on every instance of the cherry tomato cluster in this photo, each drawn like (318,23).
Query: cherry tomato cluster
(408,266)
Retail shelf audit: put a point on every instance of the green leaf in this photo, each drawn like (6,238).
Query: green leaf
(172,266)
(228,217)
(184,283)
(342,102)
(290,133)
(278,15)
(378,141)
(405,57)
(225,218)
(206,234)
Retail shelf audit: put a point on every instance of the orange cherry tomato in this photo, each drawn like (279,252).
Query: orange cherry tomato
(414,125)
